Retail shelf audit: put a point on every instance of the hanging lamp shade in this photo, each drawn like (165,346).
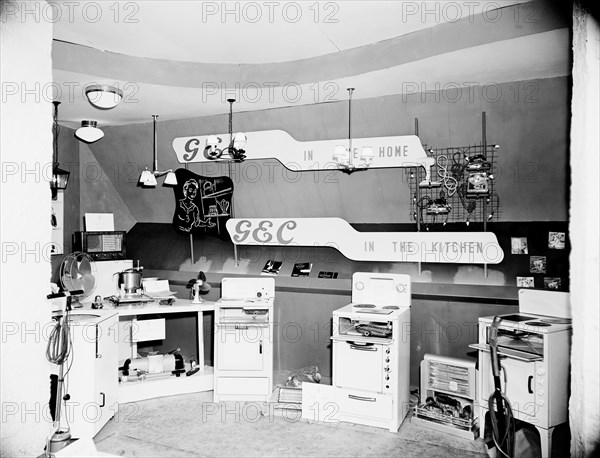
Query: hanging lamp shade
(171,179)
(89,132)
(148,177)
(60,177)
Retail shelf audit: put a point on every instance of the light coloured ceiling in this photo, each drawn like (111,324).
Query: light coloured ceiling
(183,59)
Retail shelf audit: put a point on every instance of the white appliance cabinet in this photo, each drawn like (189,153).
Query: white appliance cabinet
(92,379)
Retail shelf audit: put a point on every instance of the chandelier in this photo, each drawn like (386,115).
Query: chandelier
(343,156)
(235,149)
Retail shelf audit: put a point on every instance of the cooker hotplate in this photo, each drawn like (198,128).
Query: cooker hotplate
(376,309)
(517,317)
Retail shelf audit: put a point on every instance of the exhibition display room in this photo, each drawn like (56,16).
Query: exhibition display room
(353,235)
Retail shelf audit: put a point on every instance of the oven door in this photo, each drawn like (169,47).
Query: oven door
(239,346)
(358,365)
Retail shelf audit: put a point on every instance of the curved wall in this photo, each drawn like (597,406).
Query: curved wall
(528,119)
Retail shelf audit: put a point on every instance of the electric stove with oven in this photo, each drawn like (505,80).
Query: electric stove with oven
(534,348)
(243,368)
(371,351)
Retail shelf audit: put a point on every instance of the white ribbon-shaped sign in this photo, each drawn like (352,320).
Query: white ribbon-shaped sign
(383,152)
(434,247)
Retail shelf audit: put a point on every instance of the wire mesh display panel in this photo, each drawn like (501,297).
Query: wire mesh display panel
(459,189)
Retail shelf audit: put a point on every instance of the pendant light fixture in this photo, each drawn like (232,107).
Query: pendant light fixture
(343,156)
(103,96)
(60,177)
(235,149)
(89,132)
(148,178)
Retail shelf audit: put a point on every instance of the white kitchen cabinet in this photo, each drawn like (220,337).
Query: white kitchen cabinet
(244,340)
(92,379)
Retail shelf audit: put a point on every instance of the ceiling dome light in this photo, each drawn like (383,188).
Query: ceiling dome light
(103,96)
(88,132)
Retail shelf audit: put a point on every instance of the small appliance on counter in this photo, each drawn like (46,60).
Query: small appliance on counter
(101,245)
(129,285)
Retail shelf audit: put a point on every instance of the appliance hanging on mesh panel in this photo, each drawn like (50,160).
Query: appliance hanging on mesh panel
(371,351)
(243,367)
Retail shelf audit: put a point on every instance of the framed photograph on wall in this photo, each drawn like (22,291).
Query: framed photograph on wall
(552,283)
(518,245)
(57,222)
(537,264)
(556,240)
(272,268)
(525,282)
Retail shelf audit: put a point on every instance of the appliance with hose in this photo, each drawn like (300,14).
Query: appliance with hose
(503,431)
(58,352)
(152,366)
(524,357)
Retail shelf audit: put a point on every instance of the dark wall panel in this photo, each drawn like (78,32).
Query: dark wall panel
(159,247)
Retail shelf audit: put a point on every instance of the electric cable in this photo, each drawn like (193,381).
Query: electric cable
(509,434)
(504,438)
(58,348)
(59,351)
(448,180)
(422,203)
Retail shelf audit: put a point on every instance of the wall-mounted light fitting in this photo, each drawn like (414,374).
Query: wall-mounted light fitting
(103,96)
(343,156)
(60,177)
(89,132)
(148,178)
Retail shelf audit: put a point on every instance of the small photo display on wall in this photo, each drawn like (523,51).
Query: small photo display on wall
(324,274)
(301,269)
(537,264)
(271,267)
(552,283)
(525,282)
(556,240)
(518,245)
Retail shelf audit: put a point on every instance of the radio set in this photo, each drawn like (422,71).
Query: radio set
(101,245)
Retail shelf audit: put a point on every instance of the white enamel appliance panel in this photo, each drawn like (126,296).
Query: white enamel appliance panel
(381,289)
(262,288)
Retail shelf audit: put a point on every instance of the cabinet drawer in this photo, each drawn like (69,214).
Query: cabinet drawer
(356,403)
(144,330)
(243,385)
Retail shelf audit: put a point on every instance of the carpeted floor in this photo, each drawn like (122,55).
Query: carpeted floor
(192,425)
